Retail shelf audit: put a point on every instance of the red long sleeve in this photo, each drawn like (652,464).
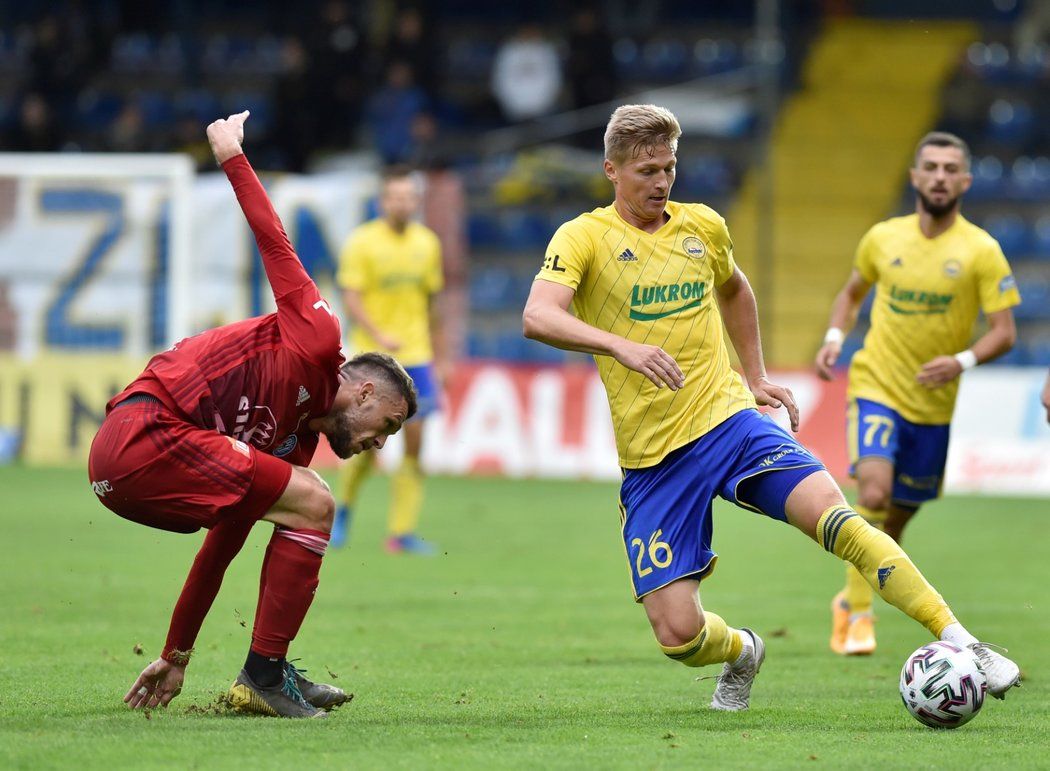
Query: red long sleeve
(220,546)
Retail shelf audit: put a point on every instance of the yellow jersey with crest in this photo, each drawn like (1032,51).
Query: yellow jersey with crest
(928,292)
(396,274)
(654,288)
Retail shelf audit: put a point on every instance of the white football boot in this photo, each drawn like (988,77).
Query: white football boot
(1002,674)
(733,692)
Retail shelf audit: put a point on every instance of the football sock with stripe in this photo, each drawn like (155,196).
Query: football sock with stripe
(717,642)
(858,592)
(884,565)
(290,567)
(406,498)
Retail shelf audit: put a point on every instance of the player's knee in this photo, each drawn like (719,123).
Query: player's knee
(318,507)
(676,631)
(874,496)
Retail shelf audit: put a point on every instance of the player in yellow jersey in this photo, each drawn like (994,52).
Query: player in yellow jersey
(654,285)
(933,272)
(390,271)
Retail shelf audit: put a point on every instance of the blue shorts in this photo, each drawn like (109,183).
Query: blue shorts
(918,453)
(665,509)
(426,389)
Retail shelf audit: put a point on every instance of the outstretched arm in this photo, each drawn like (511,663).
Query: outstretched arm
(740,314)
(307,322)
(843,316)
(547,319)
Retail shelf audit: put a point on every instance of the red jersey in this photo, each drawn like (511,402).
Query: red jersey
(263,379)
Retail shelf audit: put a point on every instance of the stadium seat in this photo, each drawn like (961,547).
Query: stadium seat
(989,182)
(1010,122)
(492,289)
(1011,231)
(1041,237)
(665,60)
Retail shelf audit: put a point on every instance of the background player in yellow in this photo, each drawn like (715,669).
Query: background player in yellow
(390,272)
(933,272)
(654,285)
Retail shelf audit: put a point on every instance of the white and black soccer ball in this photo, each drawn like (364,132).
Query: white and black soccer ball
(943,685)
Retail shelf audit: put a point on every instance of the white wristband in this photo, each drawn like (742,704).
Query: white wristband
(833,335)
(967,359)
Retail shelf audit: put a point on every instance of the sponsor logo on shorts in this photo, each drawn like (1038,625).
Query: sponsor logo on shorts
(919,483)
(884,575)
(694,247)
(782,451)
(303,395)
(286,446)
(101,488)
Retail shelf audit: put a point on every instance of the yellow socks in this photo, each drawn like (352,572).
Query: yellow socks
(406,498)
(351,474)
(857,592)
(884,565)
(717,642)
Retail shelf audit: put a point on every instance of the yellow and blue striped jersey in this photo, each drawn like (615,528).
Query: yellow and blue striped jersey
(927,296)
(654,288)
(396,274)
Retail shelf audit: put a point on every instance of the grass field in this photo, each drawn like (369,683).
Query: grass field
(519,646)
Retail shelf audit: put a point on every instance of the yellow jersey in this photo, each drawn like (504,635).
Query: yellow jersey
(928,292)
(396,274)
(654,288)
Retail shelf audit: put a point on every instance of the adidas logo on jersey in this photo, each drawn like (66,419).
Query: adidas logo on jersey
(303,395)
(627,256)
(897,263)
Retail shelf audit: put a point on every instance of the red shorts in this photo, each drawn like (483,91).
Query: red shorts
(151,466)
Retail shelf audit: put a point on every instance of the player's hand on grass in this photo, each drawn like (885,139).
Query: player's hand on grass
(826,358)
(653,362)
(771,395)
(158,684)
(226,136)
(939,371)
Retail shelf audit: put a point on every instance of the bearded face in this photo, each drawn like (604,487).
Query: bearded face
(341,435)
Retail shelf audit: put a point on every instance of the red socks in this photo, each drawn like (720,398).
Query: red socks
(286,588)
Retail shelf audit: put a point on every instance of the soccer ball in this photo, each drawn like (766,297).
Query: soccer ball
(943,685)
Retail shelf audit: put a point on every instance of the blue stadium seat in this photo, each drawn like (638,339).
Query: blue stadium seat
(665,60)
(711,57)
(989,182)
(97,109)
(492,289)
(156,107)
(1011,231)
(1030,178)
(1035,299)
(1010,122)
(627,55)
(1037,352)
(1041,237)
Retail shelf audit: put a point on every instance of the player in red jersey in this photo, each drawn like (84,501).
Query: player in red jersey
(216,433)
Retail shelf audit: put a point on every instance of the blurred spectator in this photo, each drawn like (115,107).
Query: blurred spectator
(189,138)
(410,41)
(128,132)
(337,54)
(35,128)
(297,94)
(526,75)
(392,111)
(591,67)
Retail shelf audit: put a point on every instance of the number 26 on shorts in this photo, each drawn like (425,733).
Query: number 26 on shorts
(659,554)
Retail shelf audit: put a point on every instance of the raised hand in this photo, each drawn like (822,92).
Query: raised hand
(225,136)
(653,362)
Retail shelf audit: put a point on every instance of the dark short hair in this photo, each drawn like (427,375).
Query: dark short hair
(943,139)
(396,171)
(386,370)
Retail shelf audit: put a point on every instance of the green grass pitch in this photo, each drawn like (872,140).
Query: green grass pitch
(519,646)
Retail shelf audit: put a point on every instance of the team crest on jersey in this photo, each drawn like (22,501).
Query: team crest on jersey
(286,446)
(952,268)
(694,247)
